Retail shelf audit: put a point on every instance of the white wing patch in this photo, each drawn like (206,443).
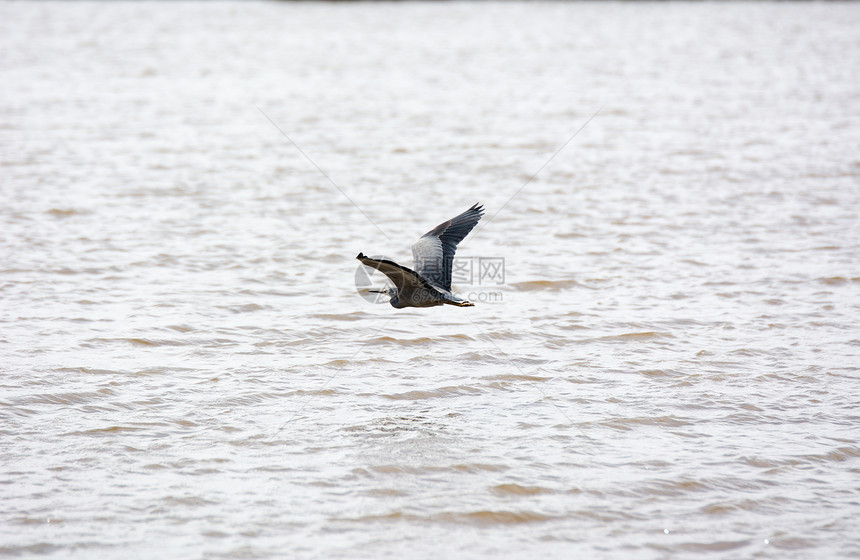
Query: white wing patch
(428,260)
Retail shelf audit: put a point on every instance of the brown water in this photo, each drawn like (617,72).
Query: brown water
(669,369)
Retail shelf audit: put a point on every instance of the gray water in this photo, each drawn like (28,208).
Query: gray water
(667,368)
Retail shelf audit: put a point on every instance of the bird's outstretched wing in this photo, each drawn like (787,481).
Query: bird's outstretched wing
(404,279)
(433,254)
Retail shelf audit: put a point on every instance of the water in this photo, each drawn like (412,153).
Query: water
(669,369)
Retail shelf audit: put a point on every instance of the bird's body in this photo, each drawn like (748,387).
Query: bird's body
(429,284)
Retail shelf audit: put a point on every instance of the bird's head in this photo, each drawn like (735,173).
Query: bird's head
(389,291)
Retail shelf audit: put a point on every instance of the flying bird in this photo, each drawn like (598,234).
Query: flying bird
(429,284)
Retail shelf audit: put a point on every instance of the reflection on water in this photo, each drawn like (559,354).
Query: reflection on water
(669,368)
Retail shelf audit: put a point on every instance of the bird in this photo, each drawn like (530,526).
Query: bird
(429,284)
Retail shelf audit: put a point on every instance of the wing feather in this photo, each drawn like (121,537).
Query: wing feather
(433,254)
(404,279)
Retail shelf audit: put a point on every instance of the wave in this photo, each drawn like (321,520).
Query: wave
(442,392)
(481,517)
(648,335)
(545,285)
(517,490)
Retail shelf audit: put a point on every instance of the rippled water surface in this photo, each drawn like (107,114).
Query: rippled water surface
(669,367)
